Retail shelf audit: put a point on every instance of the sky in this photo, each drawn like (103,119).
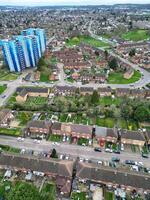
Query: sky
(68,2)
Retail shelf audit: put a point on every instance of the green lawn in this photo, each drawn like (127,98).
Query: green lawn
(7,76)
(44,77)
(105,122)
(78,196)
(24,117)
(136,35)
(49,191)
(36,101)
(109,101)
(2,88)
(117,78)
(9,149)
(83,141)
(10,131)
(86,39)
(55,138)
(109,195)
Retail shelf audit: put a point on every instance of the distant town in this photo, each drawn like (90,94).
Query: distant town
(75,102)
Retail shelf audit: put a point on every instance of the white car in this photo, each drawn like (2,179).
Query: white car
(61,156)
(20,139)
(57,143)
(122,147)
(36,141)
(108,150)
(99,162)
(81,160)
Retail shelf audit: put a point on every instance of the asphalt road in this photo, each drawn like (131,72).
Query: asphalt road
(72,150)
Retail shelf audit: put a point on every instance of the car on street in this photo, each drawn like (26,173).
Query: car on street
(115,159)
(145,155)
(116,151)
(129,162)
(108,150)
(97,149)
(36,141)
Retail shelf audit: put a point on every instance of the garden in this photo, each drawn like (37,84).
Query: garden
(10,131)
(87,40)
(136,35)
(117,78)
(2,88)
(78,196)
(7,76)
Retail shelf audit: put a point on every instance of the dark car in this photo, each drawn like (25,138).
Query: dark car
(116,151)
(129,162)
(115,159)
(144,155)
(97,149)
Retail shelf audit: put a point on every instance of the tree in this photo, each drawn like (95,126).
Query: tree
(95,97)
(23,191)
(54,154)
(142,113)
(106,54)
(132,52)
(113,64)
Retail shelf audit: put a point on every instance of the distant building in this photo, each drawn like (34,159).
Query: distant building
(25,50)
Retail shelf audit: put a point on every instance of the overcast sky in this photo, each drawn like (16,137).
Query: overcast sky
(67,2)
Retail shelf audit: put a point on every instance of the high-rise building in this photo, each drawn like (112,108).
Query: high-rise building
(41,36)
(25,50)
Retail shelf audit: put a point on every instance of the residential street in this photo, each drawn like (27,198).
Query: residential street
(72,150)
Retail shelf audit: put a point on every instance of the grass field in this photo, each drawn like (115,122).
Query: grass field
(9,149)
(136,35)
(24,117)
(55,138)
(44,77)
(86,39)
(2,88)
(78,196)
(36,101)
(109,195)
(117,78)
(106,122)
(7,76)
(49,191)
(107,101)
(10,131)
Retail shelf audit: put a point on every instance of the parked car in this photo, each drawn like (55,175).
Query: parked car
(122,147)
(145,155)
(116,151)
(108,150)
(129,162)
(97,149)
(115,159)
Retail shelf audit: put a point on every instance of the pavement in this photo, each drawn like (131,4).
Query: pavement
(73,151)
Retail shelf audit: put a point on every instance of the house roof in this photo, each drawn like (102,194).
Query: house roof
(22,91)
(98,174)
(86,89)
(56,126)
(39,124)
(3,113)
(133,135)
(111,133)
(58,167)
(77,128)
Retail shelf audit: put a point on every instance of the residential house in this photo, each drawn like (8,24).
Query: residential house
(59,170)
(104,91)
(86,90)
(37,75)
(5,117)
(122,92)
(64,90)
(133,138)
(25,92)
(93,173)
(38,127)
(129,73)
